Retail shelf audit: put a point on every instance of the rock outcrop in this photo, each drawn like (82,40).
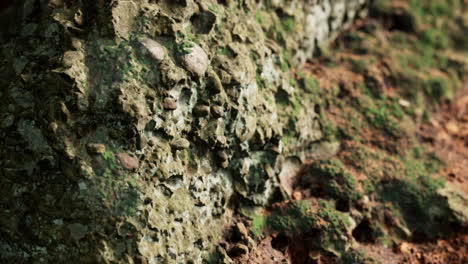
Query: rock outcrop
(130,128)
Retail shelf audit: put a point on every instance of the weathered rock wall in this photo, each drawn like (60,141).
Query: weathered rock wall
(131,129)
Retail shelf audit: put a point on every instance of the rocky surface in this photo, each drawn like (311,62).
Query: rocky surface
(389,186)
(130,130)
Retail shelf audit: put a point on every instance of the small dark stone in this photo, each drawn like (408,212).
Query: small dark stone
(142,141)
(201,110)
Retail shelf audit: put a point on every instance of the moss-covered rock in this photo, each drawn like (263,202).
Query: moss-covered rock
(114,116)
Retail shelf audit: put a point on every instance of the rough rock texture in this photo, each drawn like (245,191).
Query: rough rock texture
(119,145)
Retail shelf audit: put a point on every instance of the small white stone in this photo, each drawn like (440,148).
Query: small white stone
(404,103)
(155,49)
(196,61)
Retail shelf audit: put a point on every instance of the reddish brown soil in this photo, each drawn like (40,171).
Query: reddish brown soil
(447,135)
(452,250)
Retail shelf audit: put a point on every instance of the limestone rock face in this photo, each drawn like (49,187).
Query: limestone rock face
(120,143)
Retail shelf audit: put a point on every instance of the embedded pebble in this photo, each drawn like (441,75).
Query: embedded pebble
(218,111)
(180,143)
(155,49)
(127,161)
(169,103)
(196,61)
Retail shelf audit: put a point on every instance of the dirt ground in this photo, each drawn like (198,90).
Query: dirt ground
(447,135)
